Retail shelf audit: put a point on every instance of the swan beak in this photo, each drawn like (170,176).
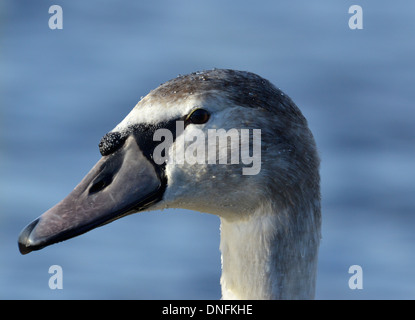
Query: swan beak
(121,183)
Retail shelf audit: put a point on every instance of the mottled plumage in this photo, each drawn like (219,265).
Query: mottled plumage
(270,221)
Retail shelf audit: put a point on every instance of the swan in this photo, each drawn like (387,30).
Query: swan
(270,219)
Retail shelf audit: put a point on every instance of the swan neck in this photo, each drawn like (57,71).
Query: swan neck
(270,255)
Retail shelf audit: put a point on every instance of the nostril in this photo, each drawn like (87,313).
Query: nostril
(100,184)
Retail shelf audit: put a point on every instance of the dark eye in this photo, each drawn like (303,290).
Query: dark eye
(199,116)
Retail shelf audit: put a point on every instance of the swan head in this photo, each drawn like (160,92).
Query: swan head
(169,153)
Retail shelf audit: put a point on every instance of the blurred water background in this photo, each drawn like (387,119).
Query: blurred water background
(62,90)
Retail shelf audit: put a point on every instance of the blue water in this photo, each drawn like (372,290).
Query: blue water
(62,90)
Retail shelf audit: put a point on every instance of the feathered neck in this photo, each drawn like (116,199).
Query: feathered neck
(270,255)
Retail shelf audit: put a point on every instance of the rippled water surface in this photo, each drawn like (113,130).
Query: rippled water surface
(62,90)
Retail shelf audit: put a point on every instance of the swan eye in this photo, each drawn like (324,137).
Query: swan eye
(199,116)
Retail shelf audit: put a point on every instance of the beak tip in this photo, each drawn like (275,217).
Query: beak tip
(24,241)
(24,249)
